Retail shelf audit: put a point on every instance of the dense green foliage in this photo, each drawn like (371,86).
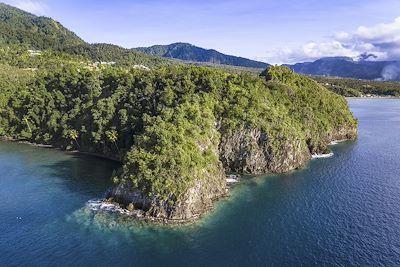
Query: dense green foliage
(188,52)
(24,31)
(113,53)
(163,123)
(315,110)
(357,88)
(21,28)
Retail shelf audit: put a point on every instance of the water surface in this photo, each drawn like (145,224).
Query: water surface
(338,211)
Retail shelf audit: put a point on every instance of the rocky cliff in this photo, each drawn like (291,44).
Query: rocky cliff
(257,145)
(249,151)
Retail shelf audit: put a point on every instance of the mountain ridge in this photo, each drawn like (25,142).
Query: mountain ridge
(349,68)
(28,31)
(189,52)
(23,29)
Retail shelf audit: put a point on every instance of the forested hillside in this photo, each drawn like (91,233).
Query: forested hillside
(191,53)
(21,30)
(32,32)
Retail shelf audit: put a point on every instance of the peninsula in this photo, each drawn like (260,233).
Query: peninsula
(178,129)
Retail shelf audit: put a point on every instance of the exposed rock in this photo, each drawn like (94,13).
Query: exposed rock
(130,207)
(305,126)
(247,151)
(250,151)
(6,138)
(196,201)
(124,195)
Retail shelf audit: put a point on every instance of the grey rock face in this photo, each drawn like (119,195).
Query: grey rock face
(250,151)
(247,151)
(196,201)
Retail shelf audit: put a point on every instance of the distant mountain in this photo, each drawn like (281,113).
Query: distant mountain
(348,68)
(189,52)
(25,30)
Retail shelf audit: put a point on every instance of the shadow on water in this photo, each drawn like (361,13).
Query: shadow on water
(81,173)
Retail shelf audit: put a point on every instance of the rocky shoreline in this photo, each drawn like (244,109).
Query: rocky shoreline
(138,206)
(134,204)
(19,141)
(109,204)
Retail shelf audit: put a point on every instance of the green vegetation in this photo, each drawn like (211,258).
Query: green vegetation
(357,88)
(315,111)
(162,123)
(22,31)
(121,56)
(26,30)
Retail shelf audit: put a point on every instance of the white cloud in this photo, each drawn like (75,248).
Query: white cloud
(381,40)
(30,6)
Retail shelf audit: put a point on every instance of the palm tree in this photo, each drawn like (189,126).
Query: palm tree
(73,135)
(27,123)
(112,136)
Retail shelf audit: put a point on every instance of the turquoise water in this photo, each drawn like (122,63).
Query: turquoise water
(343,210)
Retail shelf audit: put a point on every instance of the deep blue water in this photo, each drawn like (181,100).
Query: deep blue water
(338,211)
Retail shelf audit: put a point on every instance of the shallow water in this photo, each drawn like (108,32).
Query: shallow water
(343,210)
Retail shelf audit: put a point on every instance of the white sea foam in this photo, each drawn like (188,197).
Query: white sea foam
(318,156)
(335,142)
(101,205)
(232,178)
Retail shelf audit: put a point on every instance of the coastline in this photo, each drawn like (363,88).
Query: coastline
(231,181)
(13,140)
(108,205)
(105,205)
(372,97)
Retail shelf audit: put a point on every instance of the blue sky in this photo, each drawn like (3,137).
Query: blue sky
(276,31)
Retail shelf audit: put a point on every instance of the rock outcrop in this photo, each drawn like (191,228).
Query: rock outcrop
(250,151)
(197,200)
(247,151)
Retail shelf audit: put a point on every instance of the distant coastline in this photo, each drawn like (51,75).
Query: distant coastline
(24,142)
(372,97)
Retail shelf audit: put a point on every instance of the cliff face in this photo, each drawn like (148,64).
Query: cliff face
(197,200)
(249,151)
(343,133)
